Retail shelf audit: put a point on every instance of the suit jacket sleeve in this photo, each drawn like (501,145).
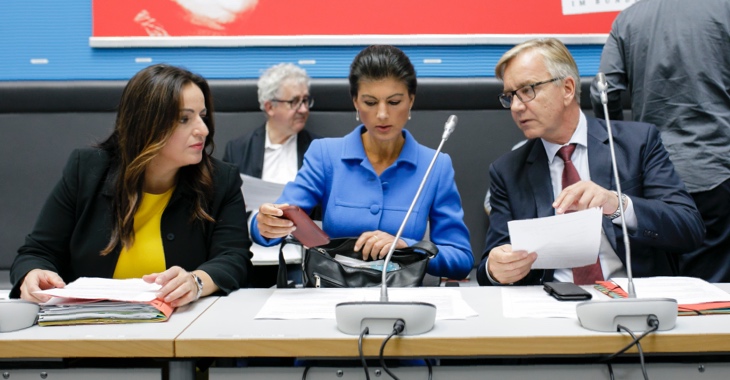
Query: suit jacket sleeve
(498,233)
(229,255)
(47,247)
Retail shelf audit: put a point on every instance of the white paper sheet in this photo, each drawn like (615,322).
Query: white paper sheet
(257,191)
(131,290)
(561,241)
(270,255)
(320,303)
(534,302)
(686,290)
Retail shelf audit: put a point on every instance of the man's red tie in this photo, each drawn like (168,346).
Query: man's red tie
(591,273)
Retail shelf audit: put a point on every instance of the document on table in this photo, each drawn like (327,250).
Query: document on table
(534,302)
(686,290)
(91,300)
(561,241)
(320,303)
(257,192)
(270,255)
(132,290)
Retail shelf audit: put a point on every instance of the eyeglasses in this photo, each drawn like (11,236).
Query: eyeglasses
(524,94)
(297,102)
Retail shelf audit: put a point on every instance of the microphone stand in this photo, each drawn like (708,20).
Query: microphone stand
(604,100)
(379,317)
(634,313)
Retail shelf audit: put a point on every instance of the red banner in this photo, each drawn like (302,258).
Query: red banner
(185,18)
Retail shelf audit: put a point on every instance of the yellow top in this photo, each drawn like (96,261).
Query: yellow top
(146,255)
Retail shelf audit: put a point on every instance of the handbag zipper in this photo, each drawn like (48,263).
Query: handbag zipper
(320,280)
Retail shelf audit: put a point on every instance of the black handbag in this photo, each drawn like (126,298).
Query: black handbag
(321,270)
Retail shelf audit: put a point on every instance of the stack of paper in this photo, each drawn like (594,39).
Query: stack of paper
(101,300)
(694,296)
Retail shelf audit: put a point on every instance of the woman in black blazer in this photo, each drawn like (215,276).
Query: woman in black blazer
(98,221)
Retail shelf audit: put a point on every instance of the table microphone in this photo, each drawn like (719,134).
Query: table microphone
(631,312)
(379,316)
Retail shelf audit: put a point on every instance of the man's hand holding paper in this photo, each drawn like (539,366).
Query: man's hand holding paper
(560,241)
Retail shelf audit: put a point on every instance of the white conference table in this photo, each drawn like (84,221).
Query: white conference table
(225,327)
(134,340)
(228,329)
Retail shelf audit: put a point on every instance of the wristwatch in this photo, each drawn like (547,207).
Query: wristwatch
(617,213)
(199,284)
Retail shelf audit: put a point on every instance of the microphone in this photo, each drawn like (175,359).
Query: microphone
(634,313)
(449,128)
(602,87)
(379,316)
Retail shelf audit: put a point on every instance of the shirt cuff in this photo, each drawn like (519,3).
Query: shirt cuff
(486,269)
(631,222)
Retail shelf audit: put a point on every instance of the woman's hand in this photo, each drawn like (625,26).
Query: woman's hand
(178,285)
(39,279)
(270,223)
(376,244)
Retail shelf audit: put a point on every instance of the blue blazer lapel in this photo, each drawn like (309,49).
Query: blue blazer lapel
(538,173)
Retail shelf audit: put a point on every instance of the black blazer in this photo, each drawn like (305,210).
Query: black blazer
(247,151)
(75,225)
(668,220)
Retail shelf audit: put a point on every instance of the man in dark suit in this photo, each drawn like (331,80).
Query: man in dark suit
(541,89)
(274,151)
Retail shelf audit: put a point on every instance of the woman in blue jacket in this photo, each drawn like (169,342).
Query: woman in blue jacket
(366,181)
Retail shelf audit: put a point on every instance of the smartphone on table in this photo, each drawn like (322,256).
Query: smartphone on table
(566,291)
(308,233)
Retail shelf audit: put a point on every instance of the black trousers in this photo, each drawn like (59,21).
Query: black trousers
(712,260)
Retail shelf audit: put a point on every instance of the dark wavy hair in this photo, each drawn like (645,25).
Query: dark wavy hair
(147,115)
(379,62)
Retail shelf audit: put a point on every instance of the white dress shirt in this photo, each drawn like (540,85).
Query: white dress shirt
(280,160)
(611,265)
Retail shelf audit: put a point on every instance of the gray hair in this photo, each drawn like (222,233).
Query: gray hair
(275,76)
(556,56)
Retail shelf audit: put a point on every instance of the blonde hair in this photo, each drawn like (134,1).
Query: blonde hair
(556,56)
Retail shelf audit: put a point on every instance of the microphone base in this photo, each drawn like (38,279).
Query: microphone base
(379,317)
(17,314)
(629,312)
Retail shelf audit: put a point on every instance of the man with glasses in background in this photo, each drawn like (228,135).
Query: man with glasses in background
(274,152)
(566,166)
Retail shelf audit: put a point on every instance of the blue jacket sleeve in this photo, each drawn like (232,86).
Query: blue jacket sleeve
(305,191)
(448,231)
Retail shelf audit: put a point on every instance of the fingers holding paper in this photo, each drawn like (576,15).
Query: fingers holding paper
(376,244)
(506,266)
(270,223)
(39,279)
(179,287)
(584,195)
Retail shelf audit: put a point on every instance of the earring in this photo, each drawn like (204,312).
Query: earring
(409,114)
(357,115)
